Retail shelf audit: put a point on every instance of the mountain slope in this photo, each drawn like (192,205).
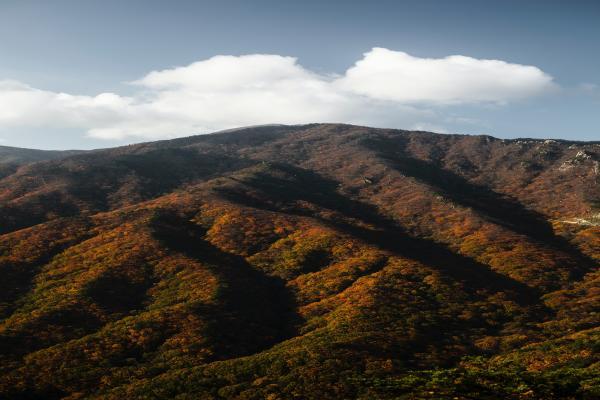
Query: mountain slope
(316,261)
(12,157)
(17,155)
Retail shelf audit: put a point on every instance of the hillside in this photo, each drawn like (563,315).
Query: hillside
(318,261)
(13,157)
(17,155)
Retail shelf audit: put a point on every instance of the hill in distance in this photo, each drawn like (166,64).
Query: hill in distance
(319,261)
(16,155)
(13,157)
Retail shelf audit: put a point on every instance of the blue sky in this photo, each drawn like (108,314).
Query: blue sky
(79,74)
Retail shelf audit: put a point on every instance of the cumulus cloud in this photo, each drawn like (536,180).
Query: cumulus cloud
(383,88)
(397,76)
(22,105)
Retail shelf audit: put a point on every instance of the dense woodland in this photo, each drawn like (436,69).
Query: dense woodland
(302,262)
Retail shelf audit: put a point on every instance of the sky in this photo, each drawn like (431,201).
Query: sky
(89,74)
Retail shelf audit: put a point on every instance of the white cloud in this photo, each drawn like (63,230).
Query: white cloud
(384,88)
(397,76)
(22,105)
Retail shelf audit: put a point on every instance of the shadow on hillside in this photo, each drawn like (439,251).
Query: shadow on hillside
(18,276)
(253,311)
(106,180)
(495,207)
(282,186)
(115,292)
(33,211)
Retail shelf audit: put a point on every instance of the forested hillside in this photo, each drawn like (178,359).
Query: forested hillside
(12,157)
(317,262)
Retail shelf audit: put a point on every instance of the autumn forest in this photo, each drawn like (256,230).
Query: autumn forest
(318,261)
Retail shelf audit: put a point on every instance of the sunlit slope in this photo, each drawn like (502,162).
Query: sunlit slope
(309,262)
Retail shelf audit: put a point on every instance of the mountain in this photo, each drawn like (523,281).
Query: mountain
(16,155)
(12,157)
(319,261)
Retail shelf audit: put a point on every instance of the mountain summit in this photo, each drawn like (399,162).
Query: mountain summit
(318,261)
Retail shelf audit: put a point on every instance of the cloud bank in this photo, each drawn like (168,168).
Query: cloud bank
(385,87)
(396,76)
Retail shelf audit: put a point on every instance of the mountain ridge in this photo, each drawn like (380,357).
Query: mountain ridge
(242,129)
(313,261)
(19,155)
